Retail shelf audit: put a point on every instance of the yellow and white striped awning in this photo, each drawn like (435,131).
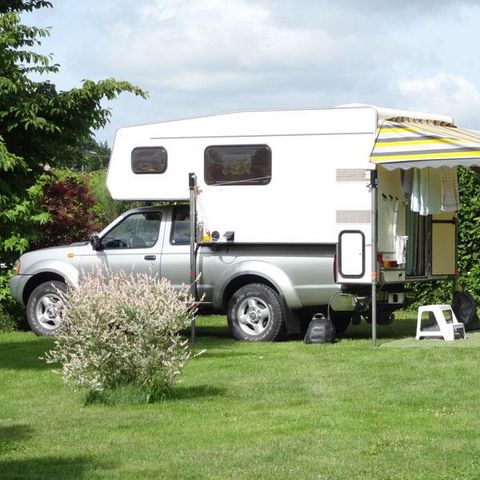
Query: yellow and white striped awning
(408,143)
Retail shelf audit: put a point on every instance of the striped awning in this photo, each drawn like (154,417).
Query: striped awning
(407,143)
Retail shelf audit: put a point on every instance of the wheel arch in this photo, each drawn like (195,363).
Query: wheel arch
(247,272)
(47,271)
(241,281)
(37,280)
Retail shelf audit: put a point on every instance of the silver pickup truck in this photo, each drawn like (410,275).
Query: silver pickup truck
(263,289)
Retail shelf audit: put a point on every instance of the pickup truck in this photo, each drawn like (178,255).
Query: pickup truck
(263,288)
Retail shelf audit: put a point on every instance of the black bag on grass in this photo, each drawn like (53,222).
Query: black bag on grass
(320,330)
(465,310)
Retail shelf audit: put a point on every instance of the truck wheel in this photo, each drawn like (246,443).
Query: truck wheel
(256,313)
(44,308)
(341,321)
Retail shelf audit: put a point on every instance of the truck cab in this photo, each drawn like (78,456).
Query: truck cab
(263,289)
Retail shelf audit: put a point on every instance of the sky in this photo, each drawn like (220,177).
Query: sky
(203,57)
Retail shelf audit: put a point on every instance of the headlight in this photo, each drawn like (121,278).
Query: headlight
(16,268)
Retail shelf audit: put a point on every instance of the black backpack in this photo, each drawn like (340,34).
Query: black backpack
(465,310)
(320,330)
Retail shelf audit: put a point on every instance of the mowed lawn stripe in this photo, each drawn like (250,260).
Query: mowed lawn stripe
(249,411)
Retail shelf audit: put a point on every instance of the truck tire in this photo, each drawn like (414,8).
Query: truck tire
(44,308)
(341,321)
(256,313)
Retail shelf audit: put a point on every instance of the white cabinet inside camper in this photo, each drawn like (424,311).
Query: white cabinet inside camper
(444,244)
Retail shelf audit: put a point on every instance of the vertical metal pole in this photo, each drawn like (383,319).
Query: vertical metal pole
(456,284)
(373,190)
(192,184)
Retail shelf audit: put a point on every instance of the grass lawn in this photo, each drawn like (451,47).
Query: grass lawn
(254,411)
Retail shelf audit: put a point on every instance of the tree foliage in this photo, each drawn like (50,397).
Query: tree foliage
(70,206)
(38,125)
(468,260)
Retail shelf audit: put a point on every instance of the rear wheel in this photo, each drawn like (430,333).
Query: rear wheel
(256,313)
(44,308)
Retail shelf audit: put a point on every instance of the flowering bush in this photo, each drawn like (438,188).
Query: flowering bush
(123,330)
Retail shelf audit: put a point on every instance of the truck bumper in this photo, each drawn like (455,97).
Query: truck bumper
(17,285)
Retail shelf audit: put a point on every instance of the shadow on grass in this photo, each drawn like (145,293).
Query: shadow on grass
(199,391)
(400,328)
(11,439)
(227,353)
(132,395)
(11,436)
(42,468)
(25,355)
(208,331)
(403,326)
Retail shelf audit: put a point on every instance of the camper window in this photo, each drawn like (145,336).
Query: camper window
(149,160)
(238,165)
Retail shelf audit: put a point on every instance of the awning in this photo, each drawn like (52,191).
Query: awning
(408,143)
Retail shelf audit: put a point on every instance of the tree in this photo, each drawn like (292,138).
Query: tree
(89,156)
(38,125)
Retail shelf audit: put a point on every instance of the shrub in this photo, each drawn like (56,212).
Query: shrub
(122,330)
(7,323)
(105,207)
(69,204)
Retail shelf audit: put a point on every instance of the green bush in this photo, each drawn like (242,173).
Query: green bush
(468,247)
(106,208)
(7,322)
(122,330)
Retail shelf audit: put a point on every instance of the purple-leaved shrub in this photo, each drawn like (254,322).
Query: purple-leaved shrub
(121,330)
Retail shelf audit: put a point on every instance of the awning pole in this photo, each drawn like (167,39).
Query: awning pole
(192,184)
(373,190)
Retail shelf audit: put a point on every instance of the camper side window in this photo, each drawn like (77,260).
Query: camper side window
(238,165)
(147,160)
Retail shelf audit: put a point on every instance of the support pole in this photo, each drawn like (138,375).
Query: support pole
(192,184)
(373,190)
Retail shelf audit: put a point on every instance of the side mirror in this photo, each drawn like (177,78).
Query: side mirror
(95,241)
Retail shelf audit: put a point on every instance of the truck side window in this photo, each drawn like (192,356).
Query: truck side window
(145,160)
(238,165)
(138,230)
(180,234)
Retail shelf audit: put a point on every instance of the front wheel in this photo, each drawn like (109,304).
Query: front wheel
(44,308)
(256,313)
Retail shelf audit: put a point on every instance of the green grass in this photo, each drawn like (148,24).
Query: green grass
(253,411)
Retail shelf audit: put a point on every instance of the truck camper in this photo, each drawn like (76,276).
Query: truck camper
(293,212)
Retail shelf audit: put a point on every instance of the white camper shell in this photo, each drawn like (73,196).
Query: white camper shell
(377,183)
(297,177)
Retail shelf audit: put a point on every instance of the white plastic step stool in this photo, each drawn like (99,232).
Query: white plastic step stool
(443,328)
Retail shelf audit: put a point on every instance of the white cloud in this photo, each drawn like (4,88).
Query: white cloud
(198,57)
(443,93)
(191,45)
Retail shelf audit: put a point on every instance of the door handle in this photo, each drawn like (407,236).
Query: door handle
(150,257)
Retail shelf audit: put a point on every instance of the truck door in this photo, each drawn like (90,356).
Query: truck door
(133,245)
(176,250)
